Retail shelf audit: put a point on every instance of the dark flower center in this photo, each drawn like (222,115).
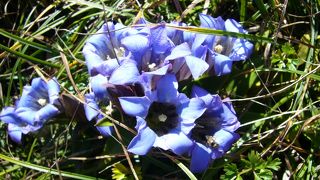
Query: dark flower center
(162,117)
(204,130)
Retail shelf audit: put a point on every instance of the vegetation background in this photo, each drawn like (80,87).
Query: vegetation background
(275,92)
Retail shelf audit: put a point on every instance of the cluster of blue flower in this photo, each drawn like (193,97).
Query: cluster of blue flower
(137,70)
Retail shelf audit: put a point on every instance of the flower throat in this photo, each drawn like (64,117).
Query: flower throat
(162,117)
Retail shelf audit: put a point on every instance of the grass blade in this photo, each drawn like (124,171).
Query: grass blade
(45,169)
(29,58)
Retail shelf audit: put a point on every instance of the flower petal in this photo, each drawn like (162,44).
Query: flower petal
(201,93)
(179,51)
(8,115)
(160,40)
(15,133)
(200,158)
(53,91)
(27,115)
(126,73)
(210,22)
(241,50)
(91,107)
(45,113)
(107,67)
(135,106)
(222,64)
(197,66)
(176,141)
(191,110)
(224,139)
(144,140)
(136,44)
(230,121)
(99,86)
(167,88)
(233,26)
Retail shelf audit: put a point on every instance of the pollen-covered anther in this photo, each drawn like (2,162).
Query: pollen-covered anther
(42,102)
(162,117)
(218,48)
(151,66)
(211,141)
(120,51)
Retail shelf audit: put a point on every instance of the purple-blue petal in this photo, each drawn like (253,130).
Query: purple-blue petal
(222,64)
(160,41)
(53,90)
(135,106)
(210,22)
(27,115)
(91,107)
(200,158)
(179,51)
(27,100)
(105,130)
(8,115)
(225,139)
(136,44)
(127,72)
(45,113)
(167,88)
(144,140)
(242,49)
(106,68)
(233,26)
(15,133)
(176,141)
(191,110)
(197,66)
(201,93)
(99,86)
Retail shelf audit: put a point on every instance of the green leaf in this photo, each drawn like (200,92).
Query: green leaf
(222,33)
(265,174)
(104,122)
(29,58)
(231,171)
(273,164)
(119,172)
(288,49)
(27,42)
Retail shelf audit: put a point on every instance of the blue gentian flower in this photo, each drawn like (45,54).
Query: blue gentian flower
(92,112)
(38,103)
(102,46)
(154,45)
(164,117)
(214,132)
(220,51)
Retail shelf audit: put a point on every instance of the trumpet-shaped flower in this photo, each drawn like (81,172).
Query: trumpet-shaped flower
(213,133)
(164,117)
(105,44)
(220,51)
(38,103)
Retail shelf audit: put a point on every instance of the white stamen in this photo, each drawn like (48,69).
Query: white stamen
(218,48)
(119,52)
(162,118)
(42,102)
(152,66)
